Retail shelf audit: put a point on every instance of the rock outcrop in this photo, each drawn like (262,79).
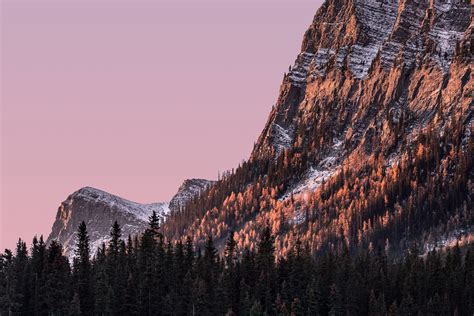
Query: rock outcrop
(373,124)
(370,71)
(188,190)
(100,209)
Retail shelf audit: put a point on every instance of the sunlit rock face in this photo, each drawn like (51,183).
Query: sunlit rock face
(373,63)
(372,82)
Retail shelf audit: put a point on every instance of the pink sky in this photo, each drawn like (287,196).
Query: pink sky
(132,97)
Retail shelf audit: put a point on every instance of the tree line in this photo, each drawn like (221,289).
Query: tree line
(423,193)
(149,275)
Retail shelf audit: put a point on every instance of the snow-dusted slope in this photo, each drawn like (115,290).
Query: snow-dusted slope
(189,189)
(100,209)
(140,211)
(364,61)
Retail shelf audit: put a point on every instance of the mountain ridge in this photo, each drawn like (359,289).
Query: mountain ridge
(99,209)
(376,86)
(373,123)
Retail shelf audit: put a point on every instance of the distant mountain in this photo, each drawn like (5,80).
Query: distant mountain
(370,143)
(100,209)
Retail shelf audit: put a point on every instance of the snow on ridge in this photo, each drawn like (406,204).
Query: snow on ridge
(188,190)
(300,69)
(321,59)
(324,170)
(390,30)
(311,181)
(446,42)
(377,20)
(281,138)
(139,210)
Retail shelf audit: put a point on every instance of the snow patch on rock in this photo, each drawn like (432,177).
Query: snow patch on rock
(281,138)
(300,69)
(140,211)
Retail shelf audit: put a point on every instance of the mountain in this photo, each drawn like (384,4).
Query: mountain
(189,189)
(370,143)
(100,209)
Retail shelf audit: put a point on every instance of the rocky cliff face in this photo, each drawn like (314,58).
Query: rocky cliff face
(370,141)
(189,189)
(368,72)
(100,209)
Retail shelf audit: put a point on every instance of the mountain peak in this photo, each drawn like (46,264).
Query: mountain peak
(99,209)
(373,81)
(353,46)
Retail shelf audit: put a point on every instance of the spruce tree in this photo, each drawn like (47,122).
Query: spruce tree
(56,291)
(11,297)
(22,277)
(209,275)
(116,263)
(38,254)
(231,282)
(154,225)
(265,262)
(83,271)
(114,243)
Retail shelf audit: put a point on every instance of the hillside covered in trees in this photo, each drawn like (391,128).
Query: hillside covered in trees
(357,199)
(426,197)
(370,143)
(147,276)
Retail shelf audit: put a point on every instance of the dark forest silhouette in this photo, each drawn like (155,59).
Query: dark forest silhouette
(147,276)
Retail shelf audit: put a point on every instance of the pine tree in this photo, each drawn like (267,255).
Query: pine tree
(38,255)
(131,296)
(116,274)
(231,282)
(3,285)
(209,275)
(101,281)
(114,243)
(56,290)
(11,297)
(21,277)
(154,225)
(149,260)
(265,262)
(83,271)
